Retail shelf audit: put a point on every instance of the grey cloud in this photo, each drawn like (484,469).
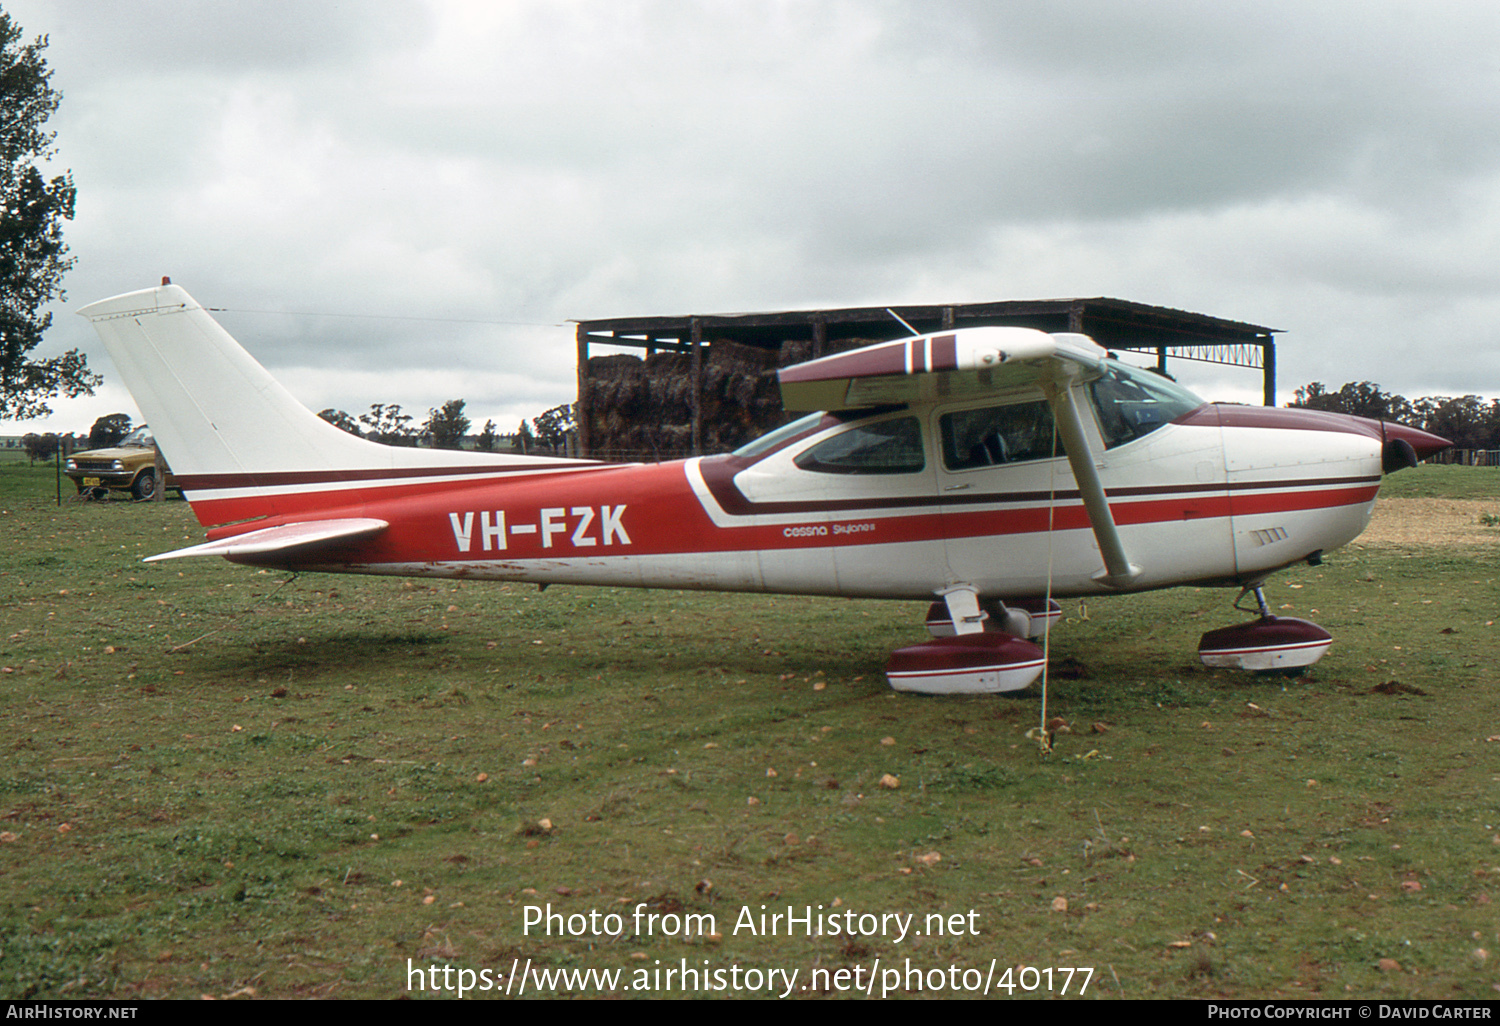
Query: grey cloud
(1278,163)
(171,37)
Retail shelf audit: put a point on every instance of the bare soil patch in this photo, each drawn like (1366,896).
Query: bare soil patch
(1430,522)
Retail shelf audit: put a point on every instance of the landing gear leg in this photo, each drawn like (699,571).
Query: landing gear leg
(1027,619)
(966,658)
(1260,601)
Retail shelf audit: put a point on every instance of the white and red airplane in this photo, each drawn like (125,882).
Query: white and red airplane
(986,471)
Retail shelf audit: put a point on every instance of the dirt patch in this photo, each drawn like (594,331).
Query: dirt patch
(1430,522)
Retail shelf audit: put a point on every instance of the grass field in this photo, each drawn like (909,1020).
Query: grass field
(229,782)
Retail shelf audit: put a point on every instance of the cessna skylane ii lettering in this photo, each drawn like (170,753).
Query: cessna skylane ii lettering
(986,471)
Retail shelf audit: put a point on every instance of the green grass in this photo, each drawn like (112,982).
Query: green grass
(1443,481)
(223,781)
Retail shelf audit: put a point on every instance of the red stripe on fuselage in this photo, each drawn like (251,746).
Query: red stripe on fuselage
(652,510)
(1166,510)
(259,499)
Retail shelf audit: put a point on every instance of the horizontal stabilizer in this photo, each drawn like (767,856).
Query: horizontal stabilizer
(300,538)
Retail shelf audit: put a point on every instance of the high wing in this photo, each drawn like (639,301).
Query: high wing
(943,365)
(301,539)
(955,365)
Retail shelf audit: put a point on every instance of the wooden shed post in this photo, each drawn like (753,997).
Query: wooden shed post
(584,407)
(696,391)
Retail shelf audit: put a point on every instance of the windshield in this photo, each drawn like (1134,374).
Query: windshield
(1133,402)
(140,438)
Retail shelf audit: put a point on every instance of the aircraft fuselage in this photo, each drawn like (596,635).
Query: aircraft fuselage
(1221,495)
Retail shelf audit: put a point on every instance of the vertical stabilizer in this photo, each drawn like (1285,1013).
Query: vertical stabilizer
(238,442)
(213,409)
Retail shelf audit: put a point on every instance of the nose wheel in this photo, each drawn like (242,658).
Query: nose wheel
(1268,644)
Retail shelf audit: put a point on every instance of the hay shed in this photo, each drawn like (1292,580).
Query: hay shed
(706,383)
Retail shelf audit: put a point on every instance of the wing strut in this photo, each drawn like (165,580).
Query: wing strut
(1118,569)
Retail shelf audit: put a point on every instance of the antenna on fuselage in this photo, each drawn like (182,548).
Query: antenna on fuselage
(898,317)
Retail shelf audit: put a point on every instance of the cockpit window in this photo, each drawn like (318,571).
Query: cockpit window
(884,447)
(998,434)
(1132,402)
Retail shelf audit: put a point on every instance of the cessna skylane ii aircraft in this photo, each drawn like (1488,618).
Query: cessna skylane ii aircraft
(986,471)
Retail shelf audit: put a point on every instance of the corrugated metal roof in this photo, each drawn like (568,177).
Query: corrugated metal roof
(1115,322)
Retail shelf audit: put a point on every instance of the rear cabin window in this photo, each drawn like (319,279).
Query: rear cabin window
(780,436)
(885,447)
(994,435)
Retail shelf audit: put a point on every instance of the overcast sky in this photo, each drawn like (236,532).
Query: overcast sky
(468,175)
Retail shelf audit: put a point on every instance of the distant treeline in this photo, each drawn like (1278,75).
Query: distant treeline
(446,427)
(107,431)
(1467,421)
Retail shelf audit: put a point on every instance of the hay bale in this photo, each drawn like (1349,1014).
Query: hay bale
(643,409)
(615,365)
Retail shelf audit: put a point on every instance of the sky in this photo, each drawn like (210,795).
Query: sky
(407,201)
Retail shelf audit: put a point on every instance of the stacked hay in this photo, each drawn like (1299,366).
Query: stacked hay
(642,409)
(638,409)
(741,399)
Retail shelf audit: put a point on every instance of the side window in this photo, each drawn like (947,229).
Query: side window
(998,434)
(886,447)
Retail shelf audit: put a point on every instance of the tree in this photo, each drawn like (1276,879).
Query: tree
(388,425)
(552,427)
(108,430)
(448,425)
(41,447)
(1364,399)
(488,438)
(1465,421)
(341,420)
(1460,420)
(1311,396)
(33,257)
(524,443)
(1492,425)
